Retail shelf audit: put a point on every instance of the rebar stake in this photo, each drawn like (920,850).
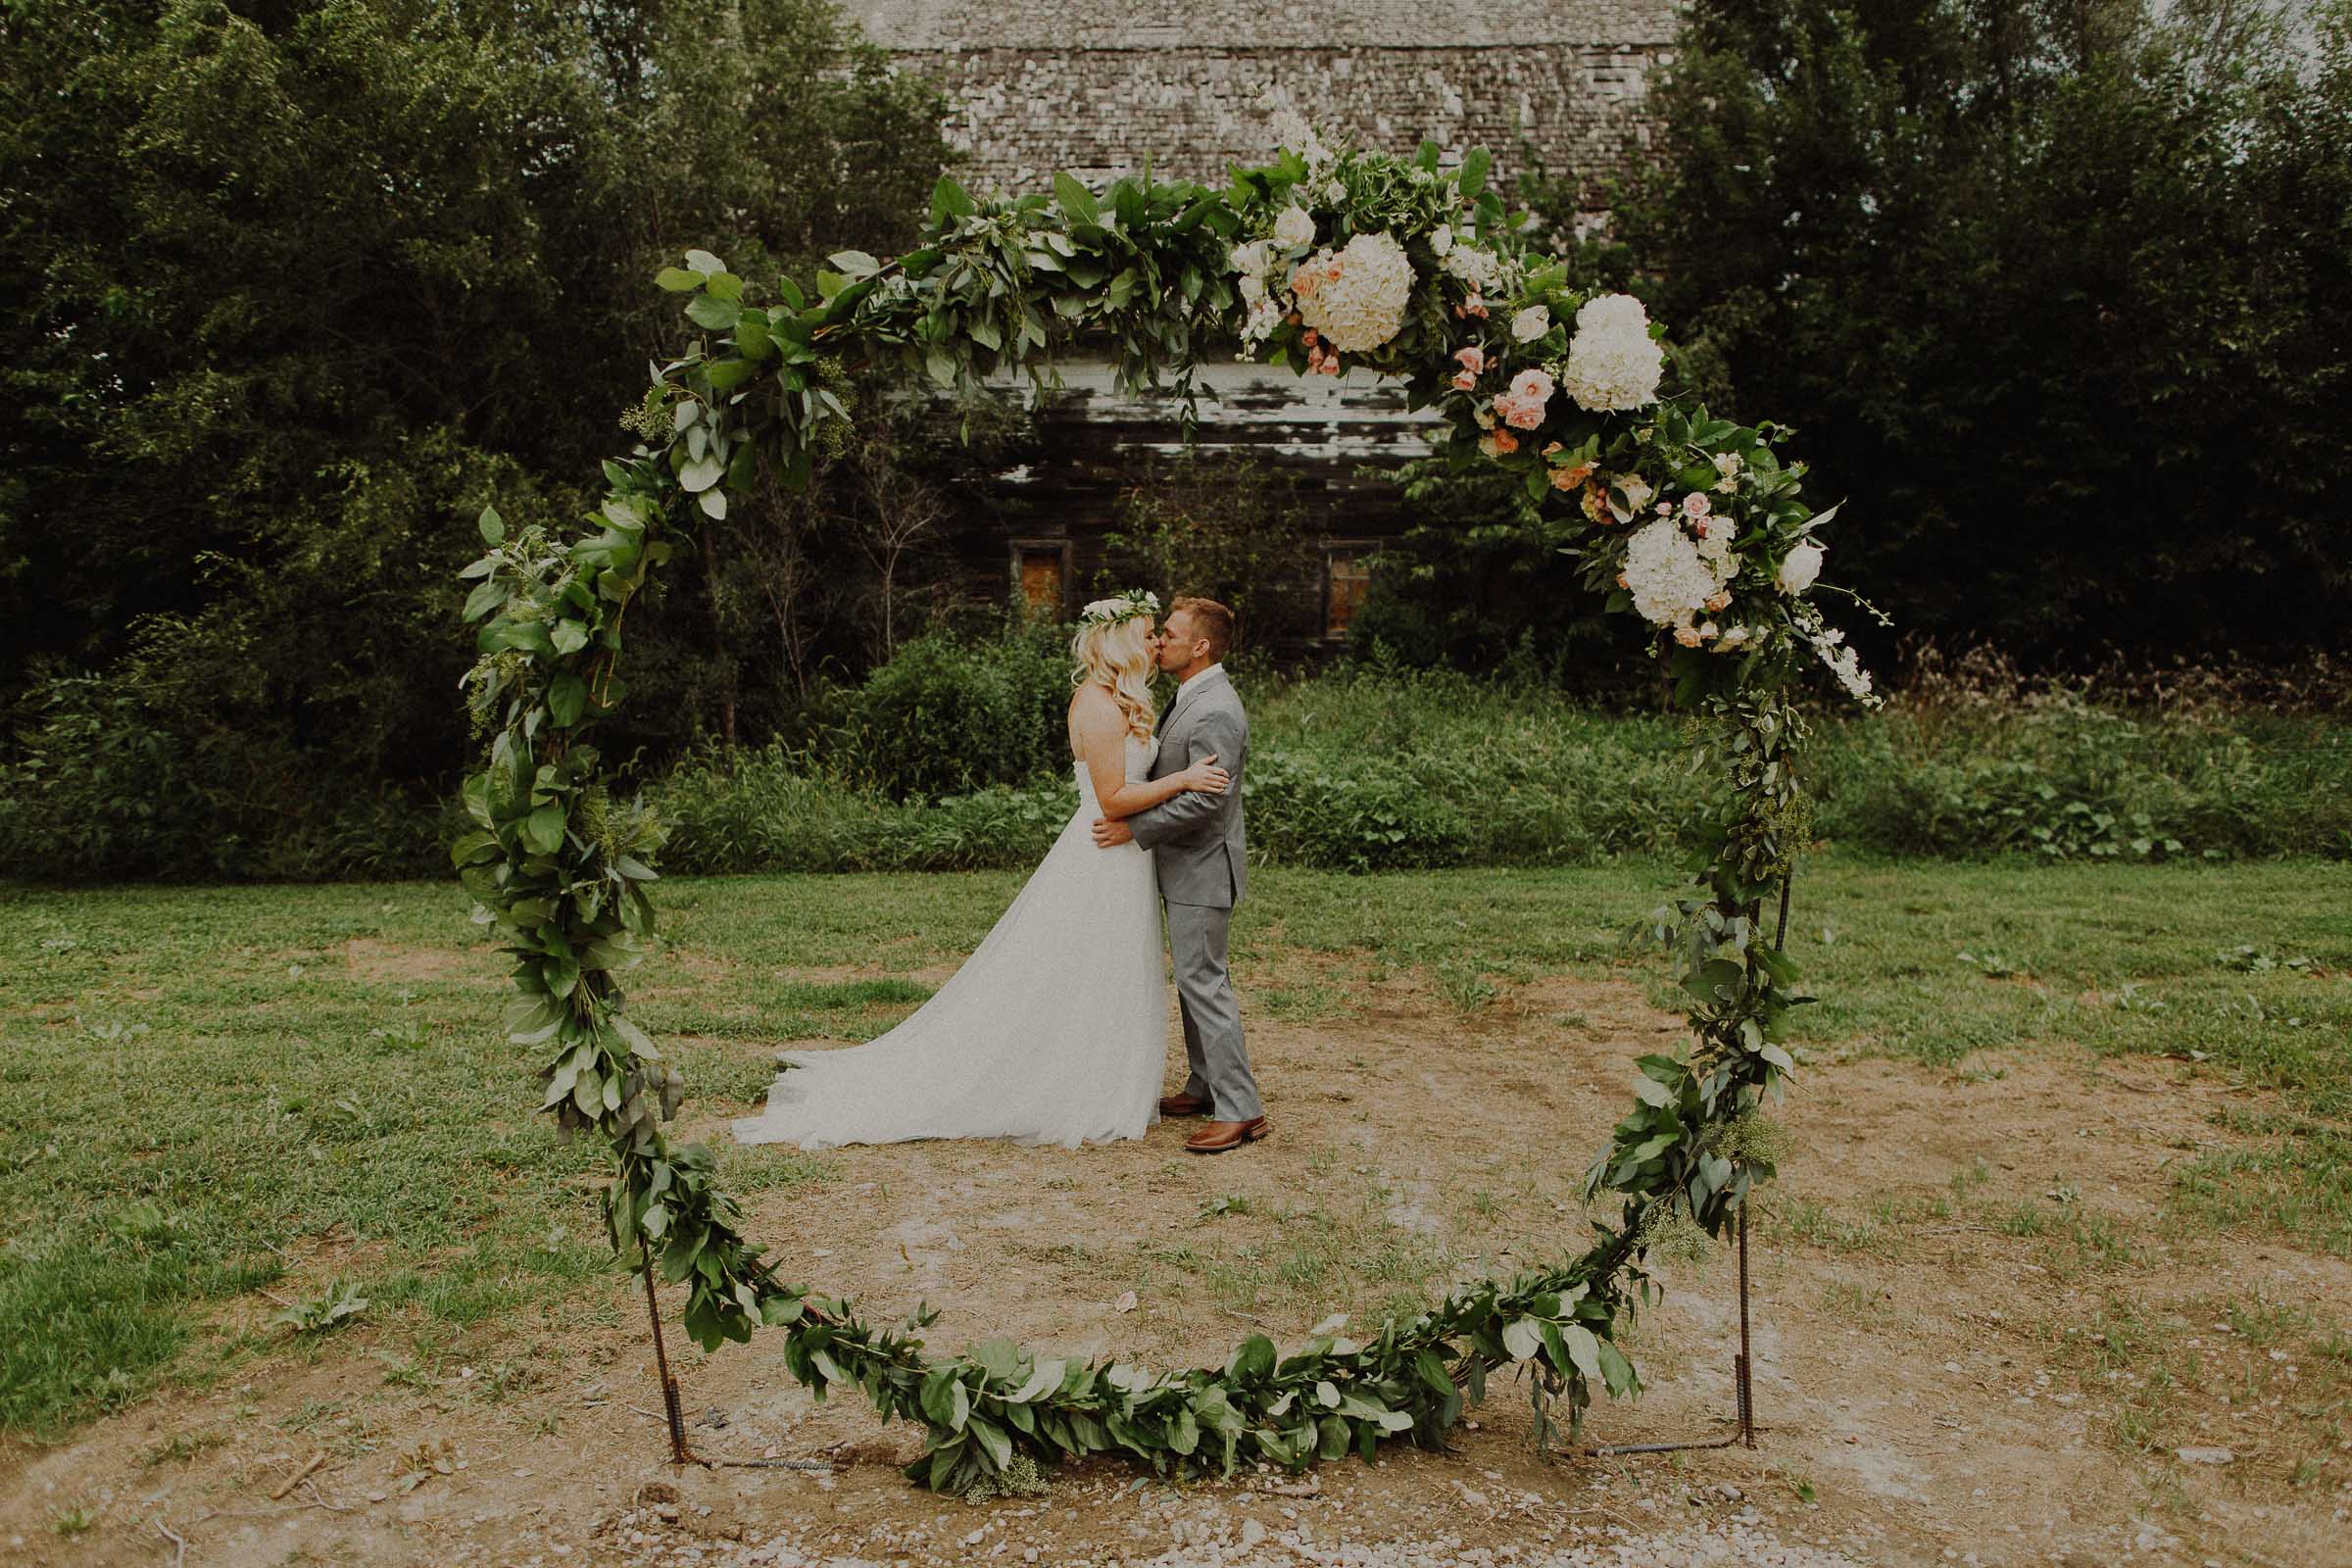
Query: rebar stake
(678,1451)
(1746,1386)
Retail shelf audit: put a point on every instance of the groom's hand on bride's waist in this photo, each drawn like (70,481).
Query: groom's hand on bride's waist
(1111,833)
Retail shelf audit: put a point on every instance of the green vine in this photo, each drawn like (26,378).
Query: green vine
(1414,272)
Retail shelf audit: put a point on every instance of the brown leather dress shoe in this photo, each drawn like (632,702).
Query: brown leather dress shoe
(1220,1136)
(1183,1105)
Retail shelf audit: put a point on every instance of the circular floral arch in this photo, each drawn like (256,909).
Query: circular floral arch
(1321,260)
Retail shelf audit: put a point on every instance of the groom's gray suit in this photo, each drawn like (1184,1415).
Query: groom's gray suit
(1195,839)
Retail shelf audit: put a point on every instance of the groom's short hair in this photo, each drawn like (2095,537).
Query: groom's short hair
(1213,622)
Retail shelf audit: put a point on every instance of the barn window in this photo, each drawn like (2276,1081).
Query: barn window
(1346,574)
(1040,568)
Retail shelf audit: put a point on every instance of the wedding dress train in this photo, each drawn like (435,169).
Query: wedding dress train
(1055,1031)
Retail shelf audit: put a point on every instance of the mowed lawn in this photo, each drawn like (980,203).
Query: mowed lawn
(202,1082)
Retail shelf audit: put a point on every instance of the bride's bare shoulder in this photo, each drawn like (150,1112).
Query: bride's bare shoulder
(1092,705)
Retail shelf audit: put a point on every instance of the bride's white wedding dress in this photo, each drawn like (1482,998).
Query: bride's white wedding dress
(1055,1031)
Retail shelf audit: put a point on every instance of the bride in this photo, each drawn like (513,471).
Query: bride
(1055,1031)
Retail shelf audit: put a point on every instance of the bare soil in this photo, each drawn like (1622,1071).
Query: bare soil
(1938,1377)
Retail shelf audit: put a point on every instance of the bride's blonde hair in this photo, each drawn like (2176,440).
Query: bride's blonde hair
(1113,655)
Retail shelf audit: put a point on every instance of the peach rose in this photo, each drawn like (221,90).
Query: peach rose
(1687,636)
(1465,381)
(1505,441)
(1473,359)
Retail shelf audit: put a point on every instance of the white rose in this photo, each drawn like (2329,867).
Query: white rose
(1530,323)
(1799,568)
(1294,229)
(1251,258)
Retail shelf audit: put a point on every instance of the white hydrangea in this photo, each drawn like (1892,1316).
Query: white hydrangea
(1363,307)
(1294,229)
(1670,581)
(1481,270)
(1252,259)
(1612,362)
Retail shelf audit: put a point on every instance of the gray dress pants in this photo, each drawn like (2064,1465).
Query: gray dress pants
(1212,1019)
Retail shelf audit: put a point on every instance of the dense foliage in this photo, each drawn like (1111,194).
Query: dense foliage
(2065,290)
(1373,769)
(287,291)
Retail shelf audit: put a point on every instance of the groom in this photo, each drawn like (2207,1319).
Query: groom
(1197,843)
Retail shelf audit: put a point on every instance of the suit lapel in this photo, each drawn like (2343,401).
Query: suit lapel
(1186,695)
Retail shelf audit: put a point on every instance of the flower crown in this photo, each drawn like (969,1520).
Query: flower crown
(1126,606)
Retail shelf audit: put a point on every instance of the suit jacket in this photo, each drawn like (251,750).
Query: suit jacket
(1195,839)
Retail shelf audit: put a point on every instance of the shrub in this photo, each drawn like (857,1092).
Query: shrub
(946,717)
(98,785)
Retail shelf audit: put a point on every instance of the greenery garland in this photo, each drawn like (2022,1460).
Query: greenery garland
(1419,274)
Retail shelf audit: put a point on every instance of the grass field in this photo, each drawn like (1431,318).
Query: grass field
(198,1079)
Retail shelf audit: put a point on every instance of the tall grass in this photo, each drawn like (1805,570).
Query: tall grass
(1367,770)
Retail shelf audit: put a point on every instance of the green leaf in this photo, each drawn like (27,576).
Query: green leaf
(493,526)
(1474,170)
(1043,1380)
(543,830)
(1583,1347)
(702,261)
(1523,1338)
(1252,1362)
(726,374)
(993,1438)
(951,200)
(855,264)
(485,598)
(679,280)
(710,311)
(1076,200)
(566,698)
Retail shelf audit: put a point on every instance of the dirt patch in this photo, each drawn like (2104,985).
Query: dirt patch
(1945,1367)
(382,963)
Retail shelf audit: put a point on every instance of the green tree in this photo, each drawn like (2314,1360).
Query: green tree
(289,290)
(2055,291)
(1226,528)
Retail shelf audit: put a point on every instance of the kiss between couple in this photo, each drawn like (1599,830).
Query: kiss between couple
(1055,1031)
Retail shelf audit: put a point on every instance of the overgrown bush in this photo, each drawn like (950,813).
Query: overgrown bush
(98,784)
(946,717)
